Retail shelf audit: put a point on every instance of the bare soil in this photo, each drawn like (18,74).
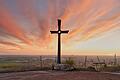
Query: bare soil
(58,75)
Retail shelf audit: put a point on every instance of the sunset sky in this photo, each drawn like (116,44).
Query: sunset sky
(94,27)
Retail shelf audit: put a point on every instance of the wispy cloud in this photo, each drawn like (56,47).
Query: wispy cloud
(31,20)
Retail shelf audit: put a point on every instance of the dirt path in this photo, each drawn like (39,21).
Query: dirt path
(52,75)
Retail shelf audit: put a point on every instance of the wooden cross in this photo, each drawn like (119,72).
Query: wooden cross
(59,32)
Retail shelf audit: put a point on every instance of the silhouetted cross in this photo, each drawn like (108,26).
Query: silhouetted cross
(59,32)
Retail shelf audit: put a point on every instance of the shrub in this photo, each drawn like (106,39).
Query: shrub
(70,62)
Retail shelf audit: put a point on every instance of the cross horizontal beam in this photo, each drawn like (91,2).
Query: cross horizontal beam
(53,32)
(56,32)
(65,31)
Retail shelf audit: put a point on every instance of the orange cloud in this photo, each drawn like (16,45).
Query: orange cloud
(10,44)
(8,23)
(87,24)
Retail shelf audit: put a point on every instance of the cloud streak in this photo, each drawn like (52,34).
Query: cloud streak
(31,20)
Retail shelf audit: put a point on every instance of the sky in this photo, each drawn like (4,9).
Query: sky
(94,27)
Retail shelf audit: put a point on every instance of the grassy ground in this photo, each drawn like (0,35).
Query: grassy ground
(9,67)
(20,67)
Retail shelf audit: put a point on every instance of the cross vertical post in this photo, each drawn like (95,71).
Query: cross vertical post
(59,42)
(59,32)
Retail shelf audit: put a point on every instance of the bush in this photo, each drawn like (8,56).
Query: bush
(70,62)
(112,69)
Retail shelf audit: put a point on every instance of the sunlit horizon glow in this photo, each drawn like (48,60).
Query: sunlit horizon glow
(94,27)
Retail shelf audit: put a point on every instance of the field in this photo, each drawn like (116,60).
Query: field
(14,63)
(23,63)
(40,68)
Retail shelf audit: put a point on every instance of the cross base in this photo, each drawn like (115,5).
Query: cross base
(63,67)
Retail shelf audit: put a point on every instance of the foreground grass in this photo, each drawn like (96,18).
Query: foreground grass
(9,67)
(20,67)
